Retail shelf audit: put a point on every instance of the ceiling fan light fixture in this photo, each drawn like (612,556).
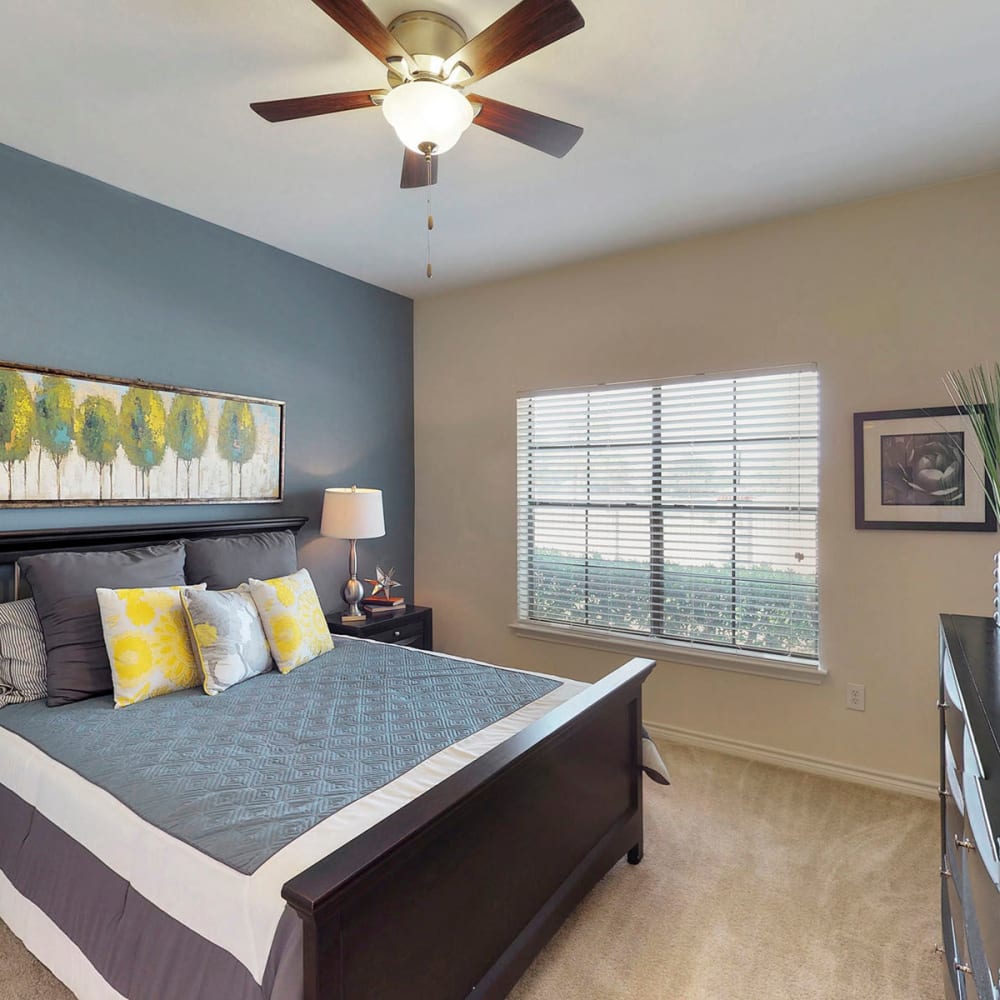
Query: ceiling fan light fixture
(424,111)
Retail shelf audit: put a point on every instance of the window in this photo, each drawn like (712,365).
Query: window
(680,510)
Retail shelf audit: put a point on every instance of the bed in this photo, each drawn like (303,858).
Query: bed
(443,879)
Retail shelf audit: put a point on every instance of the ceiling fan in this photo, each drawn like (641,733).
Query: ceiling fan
(430,62)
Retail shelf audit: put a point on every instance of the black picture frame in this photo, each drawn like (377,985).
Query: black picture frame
(897,494)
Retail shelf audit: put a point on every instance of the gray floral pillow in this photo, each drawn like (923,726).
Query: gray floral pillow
(227,636)
(22,654)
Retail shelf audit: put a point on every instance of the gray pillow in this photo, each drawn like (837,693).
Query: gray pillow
(22,654)
(64,587)
(226,635)
(225,563)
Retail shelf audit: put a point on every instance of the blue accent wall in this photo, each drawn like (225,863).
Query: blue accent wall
(97,280)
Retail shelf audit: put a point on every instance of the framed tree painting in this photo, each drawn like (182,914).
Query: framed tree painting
(69,438)
(919,470)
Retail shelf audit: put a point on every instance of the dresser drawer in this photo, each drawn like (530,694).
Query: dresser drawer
(954,981)
(954,713)
(971,763)
(961,957)
(978,827)
(954,823)
(953,781)
(986,901)
(981,885)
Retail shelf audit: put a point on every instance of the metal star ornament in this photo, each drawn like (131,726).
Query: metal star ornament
(383,583)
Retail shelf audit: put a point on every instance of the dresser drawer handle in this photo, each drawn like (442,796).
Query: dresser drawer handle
(942,704)
(964,969)
(967,844)
(944,793)
(396,633)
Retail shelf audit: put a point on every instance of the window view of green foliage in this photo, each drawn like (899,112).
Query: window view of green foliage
(142,422)
(237,438)
(97,438)
(54,423)
(17,424)
(187,435)
(768,611)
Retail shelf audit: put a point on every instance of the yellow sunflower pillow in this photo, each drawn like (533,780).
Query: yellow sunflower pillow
(292,618)
(147,641)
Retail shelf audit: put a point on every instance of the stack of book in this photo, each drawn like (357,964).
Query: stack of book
(380,604)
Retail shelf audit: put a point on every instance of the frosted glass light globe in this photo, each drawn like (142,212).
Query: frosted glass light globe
(425,111)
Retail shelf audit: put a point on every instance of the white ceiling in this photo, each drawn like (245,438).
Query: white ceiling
(698,114)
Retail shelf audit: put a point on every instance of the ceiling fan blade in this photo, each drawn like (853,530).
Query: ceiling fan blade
(547,134)
(358,20)
(321,104)
(524,29)
(415,170)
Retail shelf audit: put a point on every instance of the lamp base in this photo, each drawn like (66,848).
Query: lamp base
(353,592)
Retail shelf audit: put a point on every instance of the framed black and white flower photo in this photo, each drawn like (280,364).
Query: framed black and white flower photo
(919,470)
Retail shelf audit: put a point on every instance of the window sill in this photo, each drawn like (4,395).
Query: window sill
(761,664)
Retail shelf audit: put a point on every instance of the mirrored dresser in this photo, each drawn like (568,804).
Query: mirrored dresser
(969,704)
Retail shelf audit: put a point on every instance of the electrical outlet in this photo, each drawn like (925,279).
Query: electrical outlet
(856,697)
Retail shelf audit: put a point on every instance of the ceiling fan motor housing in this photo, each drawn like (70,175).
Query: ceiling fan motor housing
(429,37)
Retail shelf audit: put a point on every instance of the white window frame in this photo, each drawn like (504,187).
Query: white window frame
(786,667)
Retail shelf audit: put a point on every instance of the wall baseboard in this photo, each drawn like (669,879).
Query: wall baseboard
(885,781)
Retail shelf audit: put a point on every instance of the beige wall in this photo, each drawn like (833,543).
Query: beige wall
(884,295)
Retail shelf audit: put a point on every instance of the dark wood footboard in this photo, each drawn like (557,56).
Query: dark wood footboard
(453,895)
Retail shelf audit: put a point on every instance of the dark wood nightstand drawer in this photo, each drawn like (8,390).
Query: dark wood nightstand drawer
(413,626)
(411,634)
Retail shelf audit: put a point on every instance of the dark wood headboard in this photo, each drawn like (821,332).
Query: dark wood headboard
(14,544)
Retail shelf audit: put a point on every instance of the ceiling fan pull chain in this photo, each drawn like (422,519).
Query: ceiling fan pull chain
(430,218)
(427,148)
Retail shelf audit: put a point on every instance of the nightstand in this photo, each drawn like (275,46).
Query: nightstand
(413,626)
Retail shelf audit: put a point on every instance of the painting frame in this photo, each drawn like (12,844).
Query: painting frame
(933,441)
(272,452)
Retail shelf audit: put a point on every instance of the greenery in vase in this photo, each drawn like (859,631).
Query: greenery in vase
(977,394)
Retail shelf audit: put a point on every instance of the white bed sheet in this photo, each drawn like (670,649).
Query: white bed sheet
(235,911)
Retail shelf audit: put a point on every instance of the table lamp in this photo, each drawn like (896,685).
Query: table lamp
(352,513)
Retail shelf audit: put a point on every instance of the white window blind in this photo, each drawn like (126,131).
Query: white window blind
(681,510)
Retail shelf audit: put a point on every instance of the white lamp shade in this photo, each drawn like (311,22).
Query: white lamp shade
(351,512)
(425,111)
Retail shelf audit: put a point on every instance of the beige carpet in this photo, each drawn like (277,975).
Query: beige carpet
(758,883)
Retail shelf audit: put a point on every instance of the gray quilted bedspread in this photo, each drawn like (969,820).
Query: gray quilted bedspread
(242,774)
